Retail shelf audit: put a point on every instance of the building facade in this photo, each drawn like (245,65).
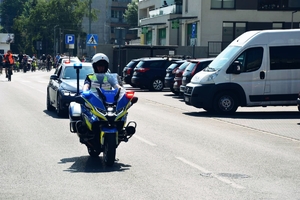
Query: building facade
(211,23)
(109,17)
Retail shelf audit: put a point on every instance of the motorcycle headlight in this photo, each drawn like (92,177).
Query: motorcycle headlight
(68,93)
(110,111)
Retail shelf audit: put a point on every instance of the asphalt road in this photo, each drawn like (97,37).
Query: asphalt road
(178,151)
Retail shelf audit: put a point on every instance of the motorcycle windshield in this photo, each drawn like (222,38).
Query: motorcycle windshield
(107,78)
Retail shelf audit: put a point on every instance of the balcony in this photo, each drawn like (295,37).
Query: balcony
(172,9)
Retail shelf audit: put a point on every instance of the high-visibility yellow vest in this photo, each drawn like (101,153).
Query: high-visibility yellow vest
(95,83)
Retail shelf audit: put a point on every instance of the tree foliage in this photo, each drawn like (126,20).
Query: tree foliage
(39,20)
(131,13)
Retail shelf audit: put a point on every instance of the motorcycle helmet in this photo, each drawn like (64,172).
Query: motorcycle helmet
(100,59)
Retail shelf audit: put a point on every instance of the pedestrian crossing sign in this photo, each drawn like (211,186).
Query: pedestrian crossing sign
(91,40)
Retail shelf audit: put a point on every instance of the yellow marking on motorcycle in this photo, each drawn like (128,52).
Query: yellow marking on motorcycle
(88,123)
(102,138)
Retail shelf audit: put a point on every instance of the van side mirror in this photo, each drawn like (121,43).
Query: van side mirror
(236,67)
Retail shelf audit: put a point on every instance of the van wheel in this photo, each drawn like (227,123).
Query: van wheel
(225,103)
(157,85)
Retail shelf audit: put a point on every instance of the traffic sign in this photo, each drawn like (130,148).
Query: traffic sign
(194,31)
(91,40)
(70,39)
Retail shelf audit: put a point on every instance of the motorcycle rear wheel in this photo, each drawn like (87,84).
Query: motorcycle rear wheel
(109,153)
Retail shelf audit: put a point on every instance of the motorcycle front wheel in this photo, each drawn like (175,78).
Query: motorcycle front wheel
(109,151)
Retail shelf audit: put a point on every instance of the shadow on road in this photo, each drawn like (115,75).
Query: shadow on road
(54,115)
(88,164)
(250,115)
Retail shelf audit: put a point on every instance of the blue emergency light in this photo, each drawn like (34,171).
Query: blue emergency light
(77,65)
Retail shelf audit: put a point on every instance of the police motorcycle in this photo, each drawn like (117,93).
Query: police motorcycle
(99,118)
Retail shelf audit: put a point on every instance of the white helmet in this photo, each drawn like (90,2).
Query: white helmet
(102,59)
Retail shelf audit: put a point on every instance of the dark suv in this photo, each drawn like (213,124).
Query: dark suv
(150,73)
(128,71)
(196,65)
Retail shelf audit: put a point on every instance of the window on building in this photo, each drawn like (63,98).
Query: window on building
(277,25)
(162,36)
(186,6)
(223,4)
(284,57)
(149,38)
(116,14)
(232,30)
(278,4)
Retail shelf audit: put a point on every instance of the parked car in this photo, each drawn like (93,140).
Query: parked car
(128,71)
(150,72)
(170,74)
(298,101)
(178,77)
(194,67)
(62,87)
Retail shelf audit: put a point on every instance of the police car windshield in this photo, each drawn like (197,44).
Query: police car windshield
(70,72)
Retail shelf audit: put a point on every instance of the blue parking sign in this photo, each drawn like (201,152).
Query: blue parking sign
(194,30)
(70,39)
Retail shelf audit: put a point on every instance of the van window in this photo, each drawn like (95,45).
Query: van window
(251,59)
(285,57)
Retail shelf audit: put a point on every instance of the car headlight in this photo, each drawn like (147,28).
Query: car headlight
(212,77)
(68,93)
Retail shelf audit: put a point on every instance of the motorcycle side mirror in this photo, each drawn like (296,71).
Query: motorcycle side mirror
(134,100)
(53,77)
(79,99)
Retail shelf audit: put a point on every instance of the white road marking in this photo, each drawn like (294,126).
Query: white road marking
(143,140)
(225,180)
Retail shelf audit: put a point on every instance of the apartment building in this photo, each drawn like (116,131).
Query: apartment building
(211,23)
(110,16)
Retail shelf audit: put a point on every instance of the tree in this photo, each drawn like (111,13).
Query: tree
(39,17)
(9,10)
(131,13)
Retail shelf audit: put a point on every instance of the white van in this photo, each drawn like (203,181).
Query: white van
(259,68)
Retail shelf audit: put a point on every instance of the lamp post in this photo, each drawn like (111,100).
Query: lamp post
(54,42)
(90,26)
(292,23)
